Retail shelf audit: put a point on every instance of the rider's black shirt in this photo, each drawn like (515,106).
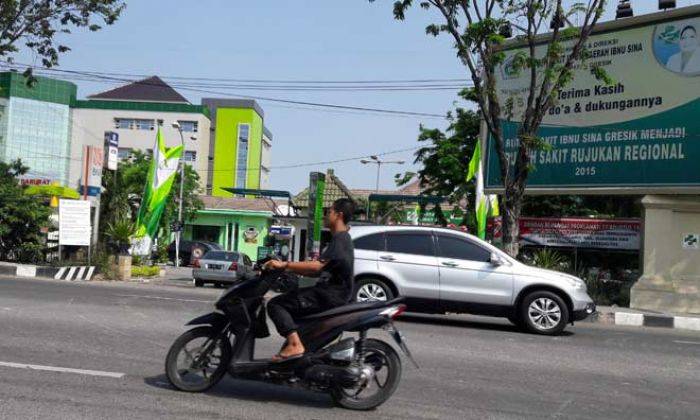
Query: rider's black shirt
(337,274)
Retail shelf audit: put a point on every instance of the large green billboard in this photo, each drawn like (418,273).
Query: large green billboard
(640,133)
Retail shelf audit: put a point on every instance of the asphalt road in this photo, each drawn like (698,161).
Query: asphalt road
(470,367)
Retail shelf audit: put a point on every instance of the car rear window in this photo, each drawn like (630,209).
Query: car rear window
(221,256)
(417,243)
(373,242)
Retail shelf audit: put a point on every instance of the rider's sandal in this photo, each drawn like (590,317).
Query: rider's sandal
(278,358)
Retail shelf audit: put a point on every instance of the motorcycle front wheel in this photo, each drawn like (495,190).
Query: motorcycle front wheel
(384,366)
(198,359)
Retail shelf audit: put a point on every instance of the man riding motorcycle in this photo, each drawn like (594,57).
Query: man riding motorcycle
(334,288)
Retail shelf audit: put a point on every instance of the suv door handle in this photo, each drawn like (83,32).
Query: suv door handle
(387,258)
(450,264)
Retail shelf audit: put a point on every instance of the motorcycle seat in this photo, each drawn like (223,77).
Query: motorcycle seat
(351,307)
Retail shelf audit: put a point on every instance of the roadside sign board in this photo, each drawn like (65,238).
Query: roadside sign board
(74,222)
(622,234)
(112,148)
(91,179)
(640,133)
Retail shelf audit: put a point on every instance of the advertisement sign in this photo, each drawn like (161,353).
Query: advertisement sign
(641,132)
(35,181)
(569,232)
(112,149)
(317,186)
(74,222)
(91,182)
(281,232)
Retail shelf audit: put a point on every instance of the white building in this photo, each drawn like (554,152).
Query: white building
(133,112)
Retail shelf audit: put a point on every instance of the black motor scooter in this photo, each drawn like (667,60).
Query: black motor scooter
(359,372)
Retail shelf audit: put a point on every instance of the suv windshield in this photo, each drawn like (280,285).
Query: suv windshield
(221,256)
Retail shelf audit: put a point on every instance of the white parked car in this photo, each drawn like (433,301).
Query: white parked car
(441,270)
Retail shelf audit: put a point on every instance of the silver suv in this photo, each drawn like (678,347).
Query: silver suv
(442,270)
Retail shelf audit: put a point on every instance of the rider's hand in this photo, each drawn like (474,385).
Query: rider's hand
(275,265)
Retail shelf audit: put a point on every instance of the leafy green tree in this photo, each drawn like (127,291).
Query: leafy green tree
(123,191)
(22,217)
(36,23)
(445,157)
(445,160)
(479,29)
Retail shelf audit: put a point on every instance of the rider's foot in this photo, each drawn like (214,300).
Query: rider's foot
(289,351)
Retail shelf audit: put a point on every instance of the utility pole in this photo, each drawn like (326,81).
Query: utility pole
(176,125)
(375,160)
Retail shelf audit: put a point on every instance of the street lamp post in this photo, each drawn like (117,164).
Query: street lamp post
(375,160)
(379,163)
(178,127)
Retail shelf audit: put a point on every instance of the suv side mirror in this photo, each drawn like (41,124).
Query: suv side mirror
(495,260)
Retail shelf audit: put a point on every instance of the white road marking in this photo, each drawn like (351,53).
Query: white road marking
(166,298)
(64,370)
(71,271)
(89,273)
(81,271)
(686,342)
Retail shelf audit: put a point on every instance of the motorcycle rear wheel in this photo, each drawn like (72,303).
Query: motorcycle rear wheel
(385,361)
(188,369)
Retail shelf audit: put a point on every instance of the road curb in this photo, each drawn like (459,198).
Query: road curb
(57,273)
(636,319)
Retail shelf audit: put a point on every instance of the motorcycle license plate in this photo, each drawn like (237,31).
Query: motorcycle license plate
(401,341)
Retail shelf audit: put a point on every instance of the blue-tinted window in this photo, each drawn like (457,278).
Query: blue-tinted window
(242,158)
(189,126)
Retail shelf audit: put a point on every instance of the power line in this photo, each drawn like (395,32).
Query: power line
(284,87)
(207,170)
(260,98)
(287,81)
(290,87)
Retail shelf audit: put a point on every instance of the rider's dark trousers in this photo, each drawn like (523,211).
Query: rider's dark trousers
(302,302)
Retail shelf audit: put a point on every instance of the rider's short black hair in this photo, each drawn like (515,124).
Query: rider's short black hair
(345,206)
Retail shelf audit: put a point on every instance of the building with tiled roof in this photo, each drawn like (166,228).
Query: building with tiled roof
(334,190)
(236,223)
(152,89)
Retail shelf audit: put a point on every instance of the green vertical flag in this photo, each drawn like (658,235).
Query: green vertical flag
(161,175)
(474,163)
(481,214)
(494,210)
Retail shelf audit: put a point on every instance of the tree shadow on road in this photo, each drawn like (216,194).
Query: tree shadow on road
(256,391)
(451,321)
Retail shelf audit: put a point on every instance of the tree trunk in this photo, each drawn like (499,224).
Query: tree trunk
(511,231)
(512,207)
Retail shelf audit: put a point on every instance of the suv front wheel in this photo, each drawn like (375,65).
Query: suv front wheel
(544,313)
(372,290)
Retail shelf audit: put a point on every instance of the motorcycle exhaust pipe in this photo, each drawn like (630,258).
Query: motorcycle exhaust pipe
(346,377)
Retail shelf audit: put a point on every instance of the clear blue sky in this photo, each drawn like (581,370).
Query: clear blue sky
(296,40)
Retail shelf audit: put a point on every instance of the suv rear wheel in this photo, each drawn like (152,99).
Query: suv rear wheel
(372,290)
(544,313)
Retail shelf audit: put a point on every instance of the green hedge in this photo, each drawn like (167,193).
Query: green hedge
(145,271)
